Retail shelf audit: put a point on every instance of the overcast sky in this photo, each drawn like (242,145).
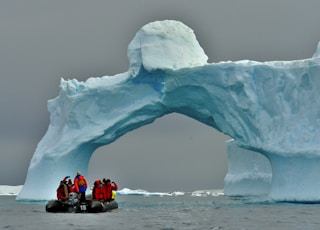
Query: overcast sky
(42,41)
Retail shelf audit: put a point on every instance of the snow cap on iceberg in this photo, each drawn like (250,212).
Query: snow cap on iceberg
(165,45)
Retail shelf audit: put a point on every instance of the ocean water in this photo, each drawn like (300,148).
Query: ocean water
(166,213)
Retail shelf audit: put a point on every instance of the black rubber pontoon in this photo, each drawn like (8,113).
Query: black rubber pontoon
(73,205)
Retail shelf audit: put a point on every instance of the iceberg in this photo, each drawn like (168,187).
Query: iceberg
(268,108)
(141,192)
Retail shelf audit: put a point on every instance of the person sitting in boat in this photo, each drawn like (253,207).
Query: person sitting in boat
(80,185)
(98,191)
(71,187)
(62,191)
(108,188)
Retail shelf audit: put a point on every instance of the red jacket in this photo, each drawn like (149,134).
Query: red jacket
(108,187)
(98,191)
(62,192)
(71,188)
(80,184)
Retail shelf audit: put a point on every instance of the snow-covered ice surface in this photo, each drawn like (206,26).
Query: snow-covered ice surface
(271,108)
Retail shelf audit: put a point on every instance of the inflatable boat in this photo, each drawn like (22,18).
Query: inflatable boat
(73,205)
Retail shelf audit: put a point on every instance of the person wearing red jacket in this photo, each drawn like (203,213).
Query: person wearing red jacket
(80,185)
(62,191)
(108,188)
(71,187)
(98,191)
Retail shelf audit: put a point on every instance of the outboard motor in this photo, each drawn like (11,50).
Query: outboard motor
(73,201)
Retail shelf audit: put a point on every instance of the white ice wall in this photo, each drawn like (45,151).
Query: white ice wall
(249,172)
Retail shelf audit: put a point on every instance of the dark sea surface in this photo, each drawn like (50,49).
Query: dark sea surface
(165,213)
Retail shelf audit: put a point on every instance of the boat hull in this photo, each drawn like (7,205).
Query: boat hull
(89,206)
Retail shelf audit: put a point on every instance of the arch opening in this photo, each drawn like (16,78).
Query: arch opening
(174,153)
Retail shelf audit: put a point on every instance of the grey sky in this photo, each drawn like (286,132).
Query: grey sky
(42,41)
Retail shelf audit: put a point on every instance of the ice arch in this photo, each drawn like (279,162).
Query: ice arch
(269,107)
